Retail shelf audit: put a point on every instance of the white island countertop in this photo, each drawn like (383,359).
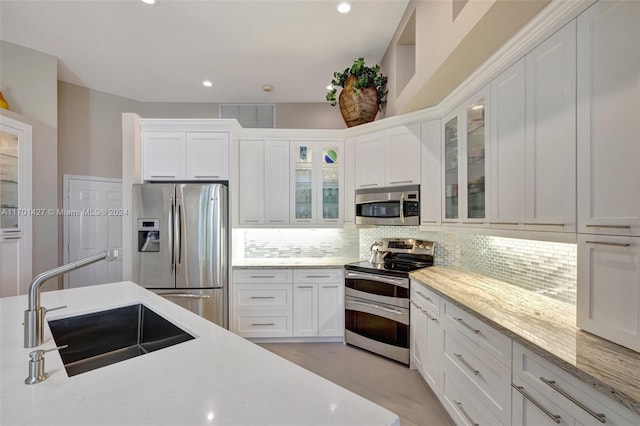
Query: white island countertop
(218,378)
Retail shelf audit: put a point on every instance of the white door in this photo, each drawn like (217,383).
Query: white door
(93,223)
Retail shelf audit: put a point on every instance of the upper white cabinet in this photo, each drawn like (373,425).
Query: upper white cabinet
(465,162)
(533,138)
(181,155)
(608,124)
(430,186)
(263,182)
(317,182)
(388,157)
(15,206)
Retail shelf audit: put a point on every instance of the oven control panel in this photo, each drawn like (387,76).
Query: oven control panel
(407,245)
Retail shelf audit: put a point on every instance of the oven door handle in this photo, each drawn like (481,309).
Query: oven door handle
(400,282)
(371,305)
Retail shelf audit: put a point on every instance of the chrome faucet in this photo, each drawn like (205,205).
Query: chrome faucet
(34,315)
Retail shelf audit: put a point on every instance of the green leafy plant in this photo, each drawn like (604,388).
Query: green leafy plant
(364,77)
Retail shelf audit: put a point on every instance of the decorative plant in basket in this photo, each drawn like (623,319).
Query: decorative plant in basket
(364,91)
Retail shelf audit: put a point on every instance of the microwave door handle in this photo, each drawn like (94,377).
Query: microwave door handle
(402,208)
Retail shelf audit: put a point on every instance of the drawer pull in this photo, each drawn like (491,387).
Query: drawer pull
(467,326)
(552,384)
(400,181)
(608,244)
(464,413)
(262,297)
(330,286)
(429,221)
(466,364)
(504,223)
(163,176)
(554,417)
(276,221)
(206,176)
(263,276)
(11,238)
(251,221)
(609,226)
(318,276)
(545,224)
(262,323)
(424,295)
(368,184)
(305,286)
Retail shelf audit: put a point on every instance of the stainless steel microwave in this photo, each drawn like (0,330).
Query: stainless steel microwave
(398,205)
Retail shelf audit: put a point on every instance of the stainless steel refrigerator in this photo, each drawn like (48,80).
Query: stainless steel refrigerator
(181,245)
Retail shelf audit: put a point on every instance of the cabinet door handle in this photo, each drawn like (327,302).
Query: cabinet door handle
(546,224)
(368,184)
(251,221)
(504,223)
(263,276)
(467,326)
(601,243)
(555,417)
(206,176)
(429,221)
(12,231)
(464,413)
(318,276)
(303,221)
(610,226)
(262,323)
(330,286)
(164,176)
(472,223)
(552,384)
(424,295)
(262,297)
(400,181)
(305,286)
(275,221)
(11,238)
(466,364)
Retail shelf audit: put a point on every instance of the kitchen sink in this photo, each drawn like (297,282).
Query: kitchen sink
(103,338)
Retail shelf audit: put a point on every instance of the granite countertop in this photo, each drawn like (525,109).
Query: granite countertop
(292,262)
(546,326)
(218,378)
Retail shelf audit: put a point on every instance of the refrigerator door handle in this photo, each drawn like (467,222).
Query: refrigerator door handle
(171,235)
(180,213)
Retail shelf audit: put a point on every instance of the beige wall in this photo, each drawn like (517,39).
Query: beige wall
(28,81)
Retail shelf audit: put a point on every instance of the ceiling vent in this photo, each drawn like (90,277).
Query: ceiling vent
(261,116)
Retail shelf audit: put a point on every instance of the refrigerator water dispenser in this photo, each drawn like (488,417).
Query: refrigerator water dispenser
(148,235)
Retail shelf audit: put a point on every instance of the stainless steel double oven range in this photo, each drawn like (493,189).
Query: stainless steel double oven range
(377,297)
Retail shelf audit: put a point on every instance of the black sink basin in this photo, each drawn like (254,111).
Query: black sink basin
(106,337)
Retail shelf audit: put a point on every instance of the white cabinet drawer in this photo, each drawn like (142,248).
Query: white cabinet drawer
(464,408)
(531,408)
(489,379)
(318,275)
(495,343)
(425,297)
(264,324)
(274,276)
(571,393)
(263,296)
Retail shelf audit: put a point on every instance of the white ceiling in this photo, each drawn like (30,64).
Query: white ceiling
(162,53)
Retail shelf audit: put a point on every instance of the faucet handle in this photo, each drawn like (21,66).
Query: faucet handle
(36,365)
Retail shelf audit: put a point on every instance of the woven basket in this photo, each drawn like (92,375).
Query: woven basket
(360,107)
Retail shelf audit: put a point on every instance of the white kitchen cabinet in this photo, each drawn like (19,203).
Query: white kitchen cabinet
(389,158)
(560,394)
(189,156)
(426,336)
(608,93)
(430,186)
(317,182)
(263,174)
(262,302)
(15,206)
(318,307)
(465,162)
(608,293)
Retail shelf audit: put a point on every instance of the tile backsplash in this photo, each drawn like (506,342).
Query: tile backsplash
(547,268)
(544,267)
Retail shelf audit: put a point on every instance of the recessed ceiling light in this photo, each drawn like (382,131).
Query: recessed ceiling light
(150,1)
(207,83)
(344,6)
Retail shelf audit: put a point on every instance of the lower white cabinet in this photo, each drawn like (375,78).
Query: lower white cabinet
(283,303)
(543,393)
(11,267)
(426,340)
(608,303)
(318,302)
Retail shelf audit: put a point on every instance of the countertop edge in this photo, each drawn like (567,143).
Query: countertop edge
(612,393)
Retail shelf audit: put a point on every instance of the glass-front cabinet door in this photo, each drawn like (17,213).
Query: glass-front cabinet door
(465,138)
(9,180)
(451,168)
(476,140)
(317,182)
